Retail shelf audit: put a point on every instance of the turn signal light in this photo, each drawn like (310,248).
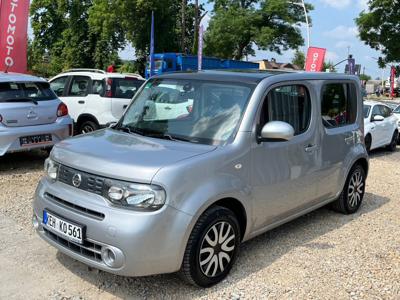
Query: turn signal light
(62,110)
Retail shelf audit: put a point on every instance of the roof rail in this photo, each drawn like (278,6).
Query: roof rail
(85,70)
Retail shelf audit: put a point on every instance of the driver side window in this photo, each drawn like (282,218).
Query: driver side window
(58,85)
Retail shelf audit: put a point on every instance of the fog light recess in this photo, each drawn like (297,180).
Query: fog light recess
(112,257)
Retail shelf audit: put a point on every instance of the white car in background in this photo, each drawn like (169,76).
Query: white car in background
(396,112)
(95,98)
(380,126)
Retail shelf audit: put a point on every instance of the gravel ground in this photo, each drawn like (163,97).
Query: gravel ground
(323,255)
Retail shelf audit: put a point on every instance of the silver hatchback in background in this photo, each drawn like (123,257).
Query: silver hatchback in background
(199,163)
(31,115)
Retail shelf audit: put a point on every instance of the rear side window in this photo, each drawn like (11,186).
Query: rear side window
(38,91)
(290,104)
(79,86)
(339,104)
(98,87)
(125,88)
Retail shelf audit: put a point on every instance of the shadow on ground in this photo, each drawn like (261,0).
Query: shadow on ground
(255,255)
(22,162)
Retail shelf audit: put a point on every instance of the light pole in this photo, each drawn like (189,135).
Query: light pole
(302,4)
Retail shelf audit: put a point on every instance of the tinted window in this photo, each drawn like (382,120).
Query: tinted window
(376,111)
(58,85)
(98,87)
(367,108)
(339,104)
(38,91)
(126,88)
(79,86)
(202,111)
(290,104)
(386,111)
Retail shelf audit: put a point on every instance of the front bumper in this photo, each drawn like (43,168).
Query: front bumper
(9,136)
(144,243)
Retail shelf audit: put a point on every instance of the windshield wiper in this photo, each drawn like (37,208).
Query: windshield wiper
(21,100)
(167,136)
(129,129)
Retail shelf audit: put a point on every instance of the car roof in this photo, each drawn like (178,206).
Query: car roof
(372,103)
(98,75)
(17,77)
(254,76)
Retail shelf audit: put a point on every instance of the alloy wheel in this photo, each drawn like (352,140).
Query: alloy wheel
(356,189)
(217,249)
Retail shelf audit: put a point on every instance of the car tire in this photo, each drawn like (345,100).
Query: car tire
(352,195)
(368,142)
(393,143)
(212,248)
(87,127)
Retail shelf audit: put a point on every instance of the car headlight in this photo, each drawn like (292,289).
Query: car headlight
(145,197)
(51,168)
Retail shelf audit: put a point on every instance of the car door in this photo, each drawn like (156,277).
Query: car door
(284,172)
(77,95)
(378,133)
(389,123)
(340,102)
(123,90)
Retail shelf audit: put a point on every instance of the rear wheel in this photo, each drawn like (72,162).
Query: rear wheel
(352,195)
(88,126)
(393,143)
(368,142)
(212,247)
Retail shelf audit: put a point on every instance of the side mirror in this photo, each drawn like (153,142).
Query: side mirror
(378,118)
(277,131)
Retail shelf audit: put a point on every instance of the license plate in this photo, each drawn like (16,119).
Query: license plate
(35,139)
(63,228)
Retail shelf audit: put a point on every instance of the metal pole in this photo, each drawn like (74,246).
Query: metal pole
(308,24)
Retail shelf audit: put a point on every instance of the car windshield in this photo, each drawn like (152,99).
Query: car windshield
(367,108)
(397,110)
(35,91)
(190,110)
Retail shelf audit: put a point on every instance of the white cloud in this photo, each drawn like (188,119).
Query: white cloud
(331,56)
(342,32)
(205,21)
(343,44)
(363,4)
(337,3)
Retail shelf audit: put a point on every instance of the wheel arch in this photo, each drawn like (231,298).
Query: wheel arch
(86,117)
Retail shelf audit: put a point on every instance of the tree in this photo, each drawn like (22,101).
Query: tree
(365,77)
(239,25)
(378,28)
(299,59)
(329,66)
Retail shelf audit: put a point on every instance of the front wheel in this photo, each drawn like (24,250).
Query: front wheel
(352,194)
(212,247)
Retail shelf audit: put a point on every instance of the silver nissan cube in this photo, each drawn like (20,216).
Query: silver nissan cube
(199,163)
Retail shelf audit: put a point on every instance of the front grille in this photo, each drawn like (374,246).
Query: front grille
(89,182)
(88,249)
(74,207)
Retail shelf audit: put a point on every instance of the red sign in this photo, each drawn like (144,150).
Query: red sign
(392,79)
(14,35)
(315,59)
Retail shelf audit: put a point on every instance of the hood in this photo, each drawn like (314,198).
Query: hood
(123,156)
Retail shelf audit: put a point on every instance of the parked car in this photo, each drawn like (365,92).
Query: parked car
(95,98)
(159,194)
(31,115)
(381,126)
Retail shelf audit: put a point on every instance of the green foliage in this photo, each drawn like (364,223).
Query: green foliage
(378,28)
(238,25)
(365,77)
(329,66)
(299,59)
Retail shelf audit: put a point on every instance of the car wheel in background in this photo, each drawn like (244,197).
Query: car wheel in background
(352,195)
(368,142)
(88,126)
(393,143)
(212,247)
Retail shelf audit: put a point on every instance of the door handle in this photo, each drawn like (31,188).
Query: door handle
(310,148)
(81,102)
(167,108)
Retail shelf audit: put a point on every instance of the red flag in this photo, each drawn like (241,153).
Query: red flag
(14,16)
(315,59)
(392,79)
